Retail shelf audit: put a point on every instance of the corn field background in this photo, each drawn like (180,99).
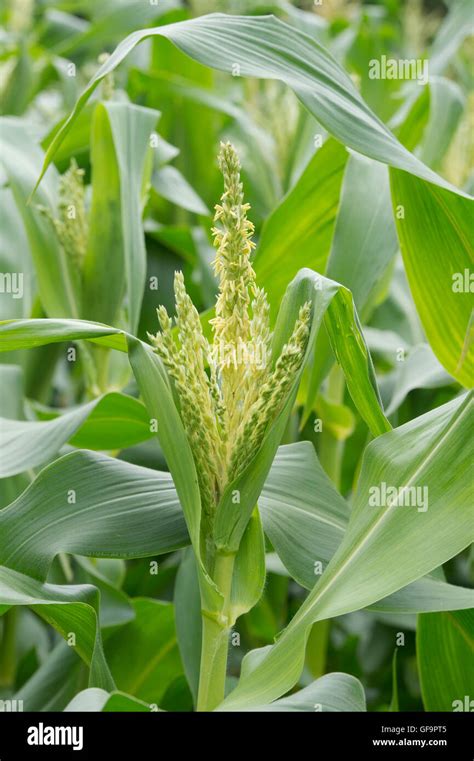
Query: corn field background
(260,499)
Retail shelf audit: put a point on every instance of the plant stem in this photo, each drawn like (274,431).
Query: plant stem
(7,649)
(215,640)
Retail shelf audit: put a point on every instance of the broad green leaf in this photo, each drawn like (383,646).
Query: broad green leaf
(104,261)
(157,394)
(115,606)
(112,421)
(363,245)
(95,699)
(445,650)
(420,369)
(436,279)
(447,103)
(268,48)
(187,606)
(170,184)
(332,692)
(71,609)
(298,232)
(306,529)
(249,568)
(26,334)
(428,594)
(48,689)
(428,452)
(131,129)
(143,655)
(93,505)
(365,238)
(304,525)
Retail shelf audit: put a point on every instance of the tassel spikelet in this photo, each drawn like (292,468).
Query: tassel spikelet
(71,224)
(229,391)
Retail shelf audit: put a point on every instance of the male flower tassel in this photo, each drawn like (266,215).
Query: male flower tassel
(227,409)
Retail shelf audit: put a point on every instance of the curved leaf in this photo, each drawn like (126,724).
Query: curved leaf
(266,47)
(96,699)
(93,505)
(332,692)
(71,609)
(307,527)
(112,421)
(367,567)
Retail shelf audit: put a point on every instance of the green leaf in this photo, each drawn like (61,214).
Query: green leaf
(447,103)
(131,128)
(156,391)
(307,528)
(115,607)
(92,505)
(170,184)
(445,650)
(429,452)
(71,609)
(365,239)
(249,569)
(420,369)
(298,232)
(426,595)
(332,692)
(112,421)
(424,240)
(363,245)
(265,47)
(104,261)
(95,699)
(455,28)
(48,689)
(187,606)
(21,159)
(26,334)
(143,655)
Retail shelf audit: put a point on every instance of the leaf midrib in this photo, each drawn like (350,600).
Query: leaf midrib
(360,546)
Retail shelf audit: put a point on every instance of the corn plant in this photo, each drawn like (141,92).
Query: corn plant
(247,424)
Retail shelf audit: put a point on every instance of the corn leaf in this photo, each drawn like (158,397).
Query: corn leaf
(445,651)
(112,421)
(366,566)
